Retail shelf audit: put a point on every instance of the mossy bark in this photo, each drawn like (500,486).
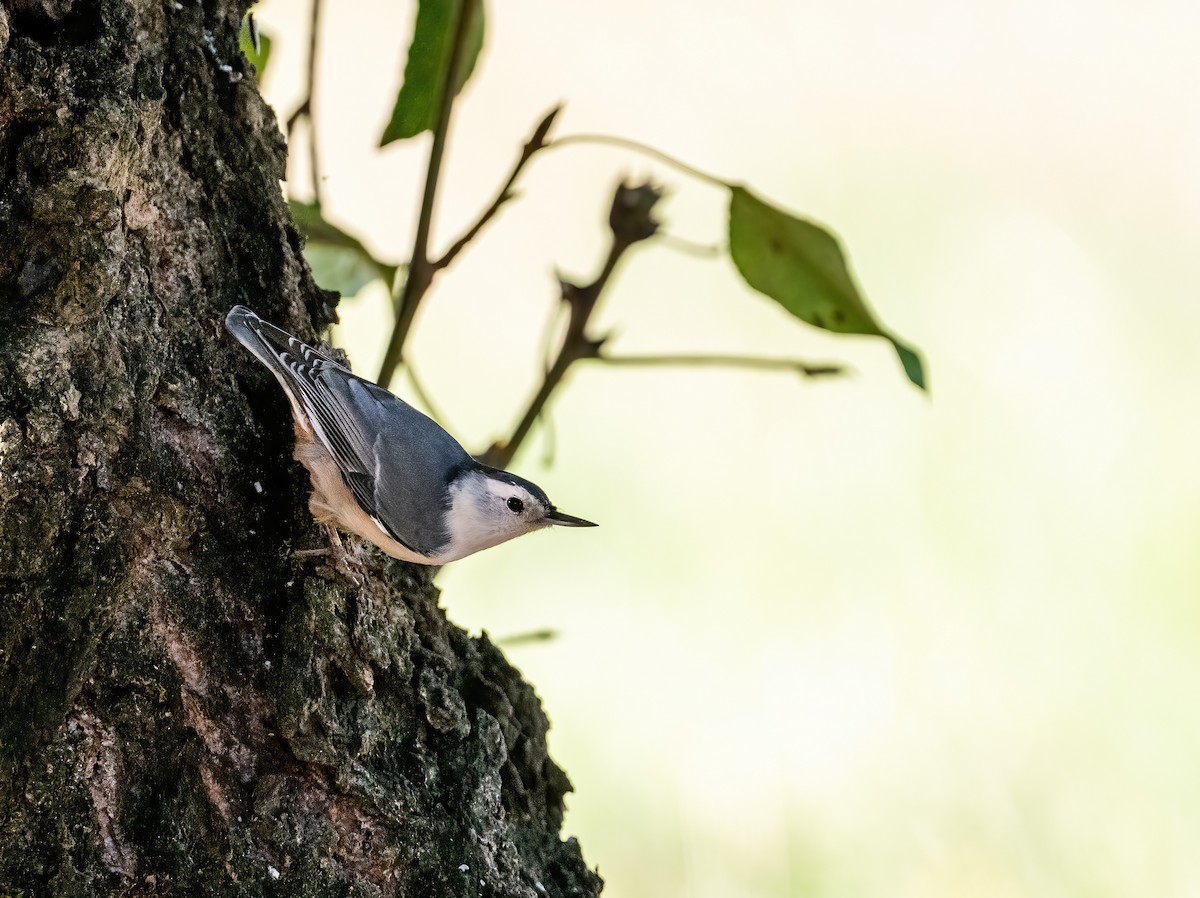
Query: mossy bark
(186,707)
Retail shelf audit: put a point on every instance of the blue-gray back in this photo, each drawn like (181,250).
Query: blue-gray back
(397,462)
(403,479)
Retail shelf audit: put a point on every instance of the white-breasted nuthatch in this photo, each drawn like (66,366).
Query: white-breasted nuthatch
(383,470)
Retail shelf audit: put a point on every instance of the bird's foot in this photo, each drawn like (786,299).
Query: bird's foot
(340,561)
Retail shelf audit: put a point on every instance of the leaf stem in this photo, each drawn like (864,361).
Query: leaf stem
(691,247)
(626,143)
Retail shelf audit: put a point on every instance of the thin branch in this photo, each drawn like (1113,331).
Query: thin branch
(549,438)
(808,369)
(441,131)
(536,142)
(545,635)
(626,143)
(294,118)
(631,221)
(305,109)
(547,345)
(500,454)
(549,332)
(314,157)
(420,270)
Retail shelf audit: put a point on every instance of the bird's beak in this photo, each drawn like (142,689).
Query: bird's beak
(554,516)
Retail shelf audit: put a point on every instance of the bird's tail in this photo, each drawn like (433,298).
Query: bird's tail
(292,361)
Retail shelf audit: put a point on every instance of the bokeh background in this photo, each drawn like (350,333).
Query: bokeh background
(832,638)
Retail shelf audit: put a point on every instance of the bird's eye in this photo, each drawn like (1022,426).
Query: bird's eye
(515,505)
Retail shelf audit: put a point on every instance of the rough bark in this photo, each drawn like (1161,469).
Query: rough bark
(185,707)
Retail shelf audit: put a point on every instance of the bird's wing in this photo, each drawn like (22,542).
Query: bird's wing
(395,461)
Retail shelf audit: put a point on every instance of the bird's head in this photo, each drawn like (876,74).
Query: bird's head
(489,506)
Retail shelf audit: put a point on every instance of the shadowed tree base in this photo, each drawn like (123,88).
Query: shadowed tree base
(186,708)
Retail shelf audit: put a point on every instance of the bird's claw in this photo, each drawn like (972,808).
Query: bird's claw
(340,561)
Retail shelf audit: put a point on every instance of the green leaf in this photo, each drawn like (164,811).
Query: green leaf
(338,260)
(801,266)
(429,56)
(911,360)
(257,57)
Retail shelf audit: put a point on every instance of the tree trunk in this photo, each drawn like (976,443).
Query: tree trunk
(185,706)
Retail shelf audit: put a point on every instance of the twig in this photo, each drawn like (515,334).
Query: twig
(549,438)
(722,361)
(420,270)
(301,111)
(305,109)
(314,157)
(631,221)
(545,635)
(416,285)
(549,332)
(545,351)
(536,142)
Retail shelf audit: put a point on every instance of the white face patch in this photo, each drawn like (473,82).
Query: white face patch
(485,512)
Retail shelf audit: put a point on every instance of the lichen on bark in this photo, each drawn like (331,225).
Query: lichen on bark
(186,707)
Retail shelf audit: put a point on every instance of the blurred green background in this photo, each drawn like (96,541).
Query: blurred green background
(832,638)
